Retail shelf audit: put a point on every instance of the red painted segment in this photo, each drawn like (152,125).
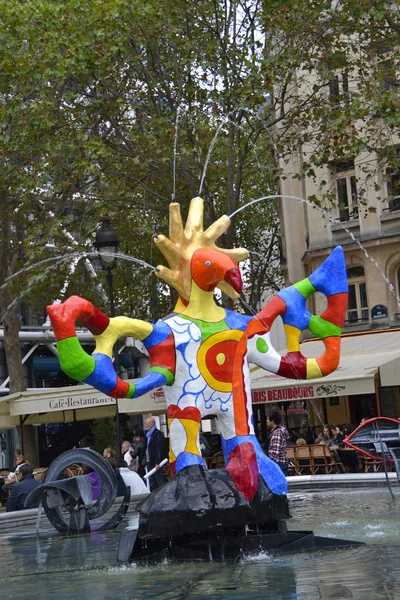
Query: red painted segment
(336,310)
(63,316)
(120,390)
(222,372)
(242,467)
(98,323)
(293,365)
(268,314)
(172,468)
(190,412)
(240,412)
(163,354)
(255,327)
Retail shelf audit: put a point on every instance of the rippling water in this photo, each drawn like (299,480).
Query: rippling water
(83,567)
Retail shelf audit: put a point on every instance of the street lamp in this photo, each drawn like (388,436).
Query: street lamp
(106,243)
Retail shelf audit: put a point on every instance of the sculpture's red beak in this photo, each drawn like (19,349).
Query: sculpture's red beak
(234,278)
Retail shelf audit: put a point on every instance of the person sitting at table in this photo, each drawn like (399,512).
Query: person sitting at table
(109,452)
(321,440)
(325,436)
(94,480)
(306,434)
(21,490)
(338,437)
(12,476)
(19,461)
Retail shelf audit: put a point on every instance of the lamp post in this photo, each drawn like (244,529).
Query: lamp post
(106,243)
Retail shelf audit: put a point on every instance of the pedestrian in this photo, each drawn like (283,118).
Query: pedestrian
(126,450)
(277,441)
(155,452)
(21,490)
(139,451)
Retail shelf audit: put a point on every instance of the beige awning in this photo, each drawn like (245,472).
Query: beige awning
(362,356)
(67,404)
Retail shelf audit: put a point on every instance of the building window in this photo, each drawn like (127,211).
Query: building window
(338,82)
(346,187)
(357,309)
(393,189)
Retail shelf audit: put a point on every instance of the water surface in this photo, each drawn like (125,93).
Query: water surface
(84,567)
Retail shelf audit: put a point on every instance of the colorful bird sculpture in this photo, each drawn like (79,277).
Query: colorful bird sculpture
(201,352)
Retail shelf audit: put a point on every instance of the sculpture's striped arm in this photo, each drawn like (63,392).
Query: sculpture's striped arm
(290,303)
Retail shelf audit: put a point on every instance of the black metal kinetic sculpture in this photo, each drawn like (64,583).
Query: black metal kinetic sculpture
(68,503)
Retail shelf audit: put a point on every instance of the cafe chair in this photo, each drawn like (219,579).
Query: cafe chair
(38,474)
(303,464)
(321,459)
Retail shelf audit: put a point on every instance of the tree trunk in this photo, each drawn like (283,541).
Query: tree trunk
(11,329)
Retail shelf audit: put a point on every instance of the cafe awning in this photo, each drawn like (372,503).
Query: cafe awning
(362,357)
(72,403)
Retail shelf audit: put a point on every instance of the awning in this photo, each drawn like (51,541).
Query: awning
(362,356)
(72,403)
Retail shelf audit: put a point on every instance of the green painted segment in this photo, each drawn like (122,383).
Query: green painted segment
(131,391)
(208,329)
(168,374)
(322,329)
(75,362)
(262,345)
(305,287)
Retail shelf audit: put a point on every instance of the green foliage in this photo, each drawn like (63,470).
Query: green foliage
(104,434)
(90,93)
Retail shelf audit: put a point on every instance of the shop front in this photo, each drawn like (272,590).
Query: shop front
(65,416)
(365,384)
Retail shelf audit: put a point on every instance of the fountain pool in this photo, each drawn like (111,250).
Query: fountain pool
(84,566)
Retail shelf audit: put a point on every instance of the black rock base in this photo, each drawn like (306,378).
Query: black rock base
(200,515)
(197,500)
(223,545)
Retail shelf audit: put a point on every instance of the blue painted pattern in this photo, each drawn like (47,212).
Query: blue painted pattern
(330,278)
(296,313)
(103,378)
(185,459)
(159,334)
(148,382)
(236,321)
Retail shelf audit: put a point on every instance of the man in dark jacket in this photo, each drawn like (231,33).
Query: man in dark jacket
(139,451)
(155,452)
(21,490)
